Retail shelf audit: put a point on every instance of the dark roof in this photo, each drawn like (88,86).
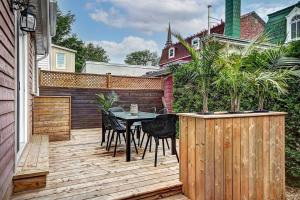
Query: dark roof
(284,10)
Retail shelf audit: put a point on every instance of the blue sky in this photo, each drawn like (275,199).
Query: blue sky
(124,26)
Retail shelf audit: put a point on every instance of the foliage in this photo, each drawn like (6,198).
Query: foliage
(95,53)
(293,49)
(142,58)
(232,78)
(64,37)
(106,101)
(202,68)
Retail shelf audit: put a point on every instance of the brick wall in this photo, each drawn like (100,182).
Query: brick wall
(251,27)
(168,92)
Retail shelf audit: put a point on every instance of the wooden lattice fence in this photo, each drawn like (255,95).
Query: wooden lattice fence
(77,80)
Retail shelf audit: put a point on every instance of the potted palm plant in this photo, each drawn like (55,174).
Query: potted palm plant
(203,66)
(106,101)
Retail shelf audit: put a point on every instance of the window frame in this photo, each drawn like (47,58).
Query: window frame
(198,43)
(169,52)
(59,66)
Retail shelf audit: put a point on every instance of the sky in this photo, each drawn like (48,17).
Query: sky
(124,26)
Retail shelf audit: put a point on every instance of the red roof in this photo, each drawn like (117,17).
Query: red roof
(251,26)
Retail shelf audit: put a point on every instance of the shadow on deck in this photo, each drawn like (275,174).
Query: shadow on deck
(82,169)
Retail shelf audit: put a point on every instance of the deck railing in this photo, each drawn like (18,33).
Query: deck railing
(78,80)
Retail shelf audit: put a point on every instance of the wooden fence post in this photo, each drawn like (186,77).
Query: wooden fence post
(108,80)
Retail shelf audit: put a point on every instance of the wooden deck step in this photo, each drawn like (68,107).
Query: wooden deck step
(160,192)
(176,197)
(33,166)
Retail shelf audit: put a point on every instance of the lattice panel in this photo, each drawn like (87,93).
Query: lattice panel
(76,80)
(59,79)
(119,82)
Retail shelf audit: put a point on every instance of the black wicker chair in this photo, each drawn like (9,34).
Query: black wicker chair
(162,111)
(118,129)
(107,126)
(162,127)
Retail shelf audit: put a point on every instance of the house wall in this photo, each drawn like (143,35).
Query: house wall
(70,60)
(168,92)
(7,96)
(117,69)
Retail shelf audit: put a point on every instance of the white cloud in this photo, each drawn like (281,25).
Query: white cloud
(118,51)
(186,16)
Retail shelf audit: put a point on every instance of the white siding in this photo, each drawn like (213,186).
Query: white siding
(117,69)
(44,63)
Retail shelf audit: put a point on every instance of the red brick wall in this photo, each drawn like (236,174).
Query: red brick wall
(7,96)
(168,92)
(251,27)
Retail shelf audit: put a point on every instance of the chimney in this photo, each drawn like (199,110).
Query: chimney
(233,18)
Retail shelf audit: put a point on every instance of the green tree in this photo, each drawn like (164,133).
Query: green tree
(95,53)
(64,37)
(142,58)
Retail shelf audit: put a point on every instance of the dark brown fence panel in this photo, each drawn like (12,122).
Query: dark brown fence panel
(84,105)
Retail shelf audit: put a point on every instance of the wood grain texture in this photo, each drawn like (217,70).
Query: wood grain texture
(81,169)
(52,117)
(85,108)
(243,157)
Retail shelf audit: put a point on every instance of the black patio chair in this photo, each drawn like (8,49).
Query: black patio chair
(107,126)
(118,129)
(162,111)
(162,127)
(136,125)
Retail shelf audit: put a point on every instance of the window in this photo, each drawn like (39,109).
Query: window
(196,43)
(295,27)
(60,61)
(172,52)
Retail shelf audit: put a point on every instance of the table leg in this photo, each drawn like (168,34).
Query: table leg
(128,141)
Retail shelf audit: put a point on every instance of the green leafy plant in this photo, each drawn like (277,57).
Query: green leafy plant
(201,70)
(232,78)
(106,101)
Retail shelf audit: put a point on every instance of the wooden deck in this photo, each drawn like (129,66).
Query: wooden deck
(81,169)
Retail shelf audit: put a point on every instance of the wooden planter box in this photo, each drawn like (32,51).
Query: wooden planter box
(232,156)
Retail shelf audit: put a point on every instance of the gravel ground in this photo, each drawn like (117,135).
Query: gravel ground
(292,193)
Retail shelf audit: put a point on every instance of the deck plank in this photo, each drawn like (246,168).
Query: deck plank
(81,169)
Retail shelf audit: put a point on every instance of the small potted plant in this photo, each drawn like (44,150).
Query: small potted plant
(106,101)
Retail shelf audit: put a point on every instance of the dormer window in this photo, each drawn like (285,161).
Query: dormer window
(295,27)
(172,52)
(196,43)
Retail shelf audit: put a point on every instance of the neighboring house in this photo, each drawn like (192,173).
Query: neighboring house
(237,31)
(284,25)
(91,67)
(60,59)
(18,78)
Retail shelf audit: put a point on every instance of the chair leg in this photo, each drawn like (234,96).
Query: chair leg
(103,138)
(176,155)
(156,148)
(124,137)
(138,134)
(136,150)
(108,137)
(142,139)
(167,143)
(112,136)
(150,144)
(119,138)
(146,147)
(116,144)
(163,141)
